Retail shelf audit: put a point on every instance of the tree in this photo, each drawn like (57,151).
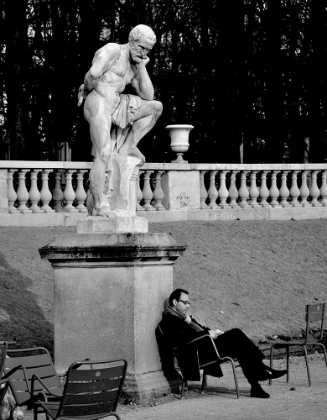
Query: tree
(246,71)
(15,75)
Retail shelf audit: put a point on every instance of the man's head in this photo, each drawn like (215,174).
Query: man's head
(141,40)
(179,300)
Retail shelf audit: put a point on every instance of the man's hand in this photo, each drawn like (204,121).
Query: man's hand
(214,333)
(188,319)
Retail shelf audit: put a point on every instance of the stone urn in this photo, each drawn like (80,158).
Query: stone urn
(179,136)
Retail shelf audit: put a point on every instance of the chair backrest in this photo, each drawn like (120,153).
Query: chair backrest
(92,387)
(3,353)
(35,366)
(166,351)
(315,313)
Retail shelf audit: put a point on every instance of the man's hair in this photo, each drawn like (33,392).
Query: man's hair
(176,294)
(142,31)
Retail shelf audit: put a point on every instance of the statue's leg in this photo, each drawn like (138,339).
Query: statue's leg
(147,116)
(100,125)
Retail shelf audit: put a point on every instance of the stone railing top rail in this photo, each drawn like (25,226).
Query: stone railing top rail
(30,164)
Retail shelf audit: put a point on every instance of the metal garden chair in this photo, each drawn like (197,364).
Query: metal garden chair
(215,359)
(30,373)
(91,391)
(313,314)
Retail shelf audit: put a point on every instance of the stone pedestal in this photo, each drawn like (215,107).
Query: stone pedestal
(107,225)
(109,294)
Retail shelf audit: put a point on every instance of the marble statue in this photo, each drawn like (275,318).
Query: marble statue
(118,121)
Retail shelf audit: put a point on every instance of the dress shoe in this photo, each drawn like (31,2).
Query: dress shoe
(276,373)
(270,373)
(258,392)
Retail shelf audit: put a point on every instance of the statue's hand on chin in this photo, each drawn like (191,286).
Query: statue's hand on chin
(140,61)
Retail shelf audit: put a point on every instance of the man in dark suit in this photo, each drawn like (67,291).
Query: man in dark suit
(180,328)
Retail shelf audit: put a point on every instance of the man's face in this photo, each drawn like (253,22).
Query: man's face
(182,304)
(139,49)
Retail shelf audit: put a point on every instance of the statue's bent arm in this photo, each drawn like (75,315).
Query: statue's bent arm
(103,60)
(142,83)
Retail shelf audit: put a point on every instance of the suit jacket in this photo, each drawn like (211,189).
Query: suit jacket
(178,333)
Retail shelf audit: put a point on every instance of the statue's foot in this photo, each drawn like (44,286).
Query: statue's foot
(105,211)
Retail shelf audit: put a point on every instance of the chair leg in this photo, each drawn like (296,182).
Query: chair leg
(184,382)
(307,363)
(324,350)
(288,363)
(204,382)
(236,381)
(271,359)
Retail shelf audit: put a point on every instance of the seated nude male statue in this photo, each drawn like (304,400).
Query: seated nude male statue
(180,328)
(118,121)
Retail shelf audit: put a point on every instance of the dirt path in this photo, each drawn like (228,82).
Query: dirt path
(256,275)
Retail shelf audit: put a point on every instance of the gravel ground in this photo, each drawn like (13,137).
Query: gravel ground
(255,275)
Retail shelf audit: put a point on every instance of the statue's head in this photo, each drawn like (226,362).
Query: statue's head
(141,40)
(142,32)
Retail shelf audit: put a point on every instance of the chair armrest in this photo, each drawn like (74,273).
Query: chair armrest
(214,348)
(4,381)
(43,397)
(196,340)
(13,370)
(202,337)
(51,394)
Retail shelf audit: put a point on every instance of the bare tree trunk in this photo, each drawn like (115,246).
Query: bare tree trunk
(317,85)
(273,96)
(15,75)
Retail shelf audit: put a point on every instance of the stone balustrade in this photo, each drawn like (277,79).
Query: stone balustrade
(40,192)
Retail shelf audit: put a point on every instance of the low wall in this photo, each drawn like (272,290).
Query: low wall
(54,193)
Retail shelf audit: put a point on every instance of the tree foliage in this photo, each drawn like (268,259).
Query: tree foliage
(243,72)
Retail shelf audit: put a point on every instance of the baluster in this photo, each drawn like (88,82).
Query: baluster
(212,192)
(233,192)
(139,194)
(203,191)
(323,189)
(147,192)
(304,190)
(264,192)
(80,193)
(284,192)
(274,192)
(69,193)
(22,193)
(46,195)
(3,190)
(12,196)
(58,195)
(243,191)
(34,192)
(314,190)
(223,191)
(254,191)
(294,191)
(158,193)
